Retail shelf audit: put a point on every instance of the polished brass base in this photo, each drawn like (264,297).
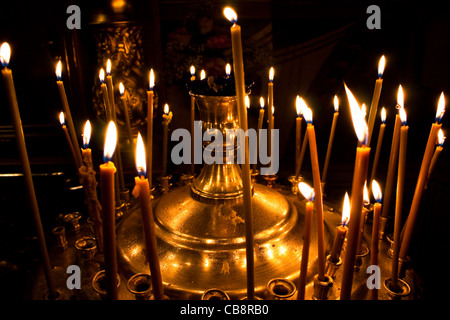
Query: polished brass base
(202,245)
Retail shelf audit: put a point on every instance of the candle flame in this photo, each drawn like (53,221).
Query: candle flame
(202,74)
(383,115)
(101,75)
(298,106)
(151,79)
(441,137)
(336,103)
(376,190)
(230,14)
(121,89)
(307,114)
(166,109)
(110,142)
(306,191)
(273,110)
(87,134)
(271,74)
(359,123)
(441,108)
(228,69)
(141,163)
(381,66)
(366,198)
(261,102)
(345,210)
(62,119)
(403,116)
(247,102)
(364,110)
(400,99)
(5,54)
(108,67)
(192,70)
(58,70)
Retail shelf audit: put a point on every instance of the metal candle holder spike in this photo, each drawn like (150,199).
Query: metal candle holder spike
(165,183)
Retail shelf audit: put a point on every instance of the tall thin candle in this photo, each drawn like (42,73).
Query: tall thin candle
(107,172)
(69,141)
(150,94)
(104,89)
(142,191)
(437,152)
(412,216)
(376,190)
(341,231)
(307,113)
(5,54)
(376,97)
(126,116)
(269,108)
(330,140)
(68,114)
(238,62)
(167,117)
(192,70)
(399,199)
(359,178)
(308,193)
(260,122)
(379,144)
(298,130)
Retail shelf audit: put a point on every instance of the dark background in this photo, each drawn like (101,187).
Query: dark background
(314,46)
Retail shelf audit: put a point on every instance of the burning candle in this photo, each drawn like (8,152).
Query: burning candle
(68,115)
(330,140)
(239,76)
(89,182)
(303,106)
(269,107)
(193,124)
(359,178)
(110,86)
(202,74)
(107,172)
(5,54)
(437,152)
(308,193)
(151,84)
(167,117)
(409,227)
(379,143)
(392,166)
(69,141)
(376,190)
(260,123)
(376,97)
(142,191)
(341,231)
(307,113)
(228,70)
(298,130)
(104,88)
(399,198)
(125,111)
(366,202)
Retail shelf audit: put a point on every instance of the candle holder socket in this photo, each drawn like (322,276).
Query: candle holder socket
(73,220)
(215,294)
(186,179)
(403,266)
(390,239)
(165,183)
(254,173)
(270,179)
(295,181)
(383,221)
(332,267)
(87,246)
(321,288)
(141,286)
(403,289)
(358,259)
(125,196)
(98,284)
(60,234)
(281,289)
